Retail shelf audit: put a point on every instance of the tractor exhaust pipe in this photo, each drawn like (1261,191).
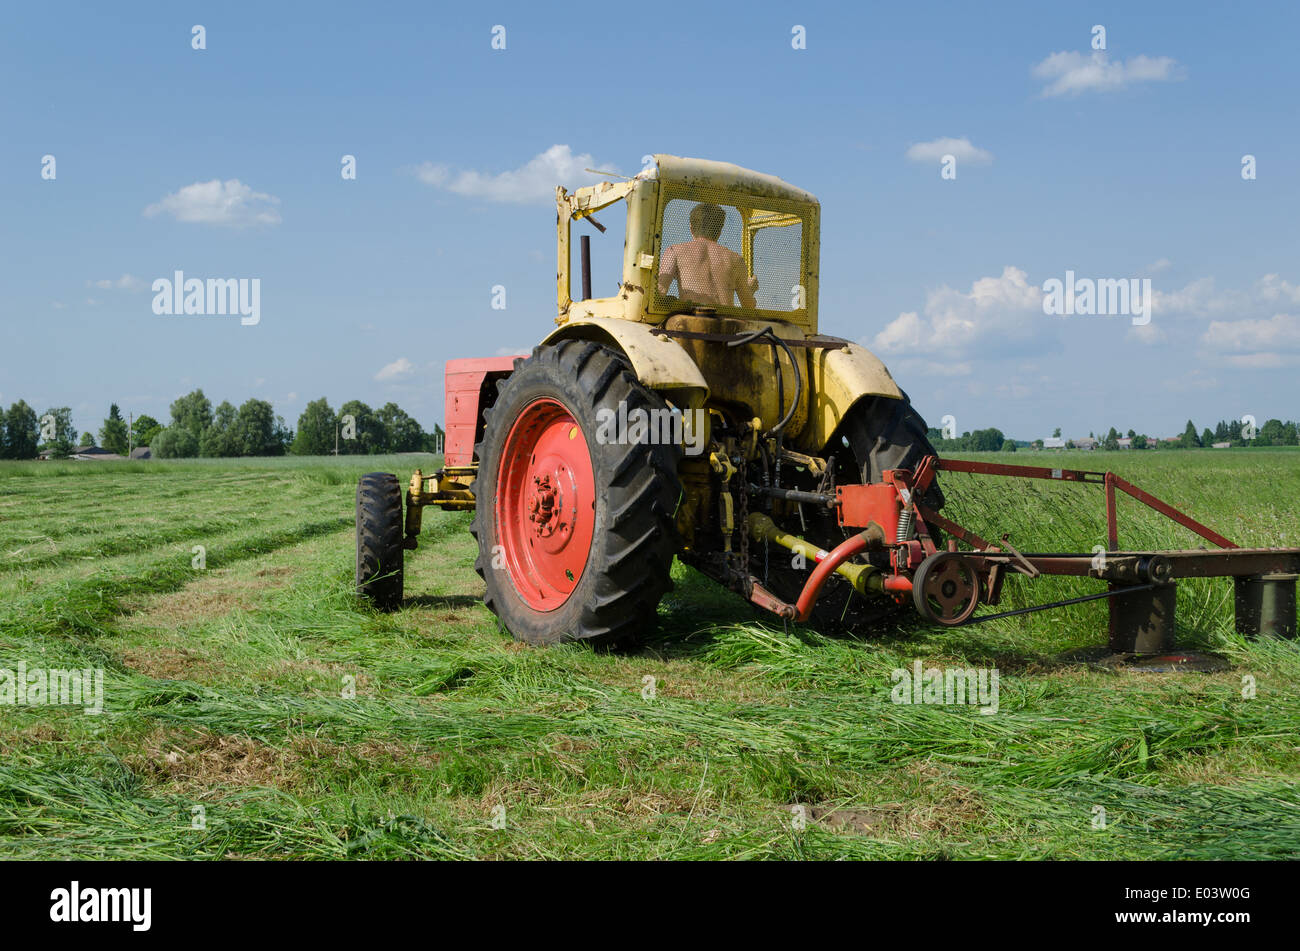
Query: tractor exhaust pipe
(586,267)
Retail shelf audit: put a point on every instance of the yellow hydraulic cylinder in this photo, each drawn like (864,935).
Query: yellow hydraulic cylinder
(864,578)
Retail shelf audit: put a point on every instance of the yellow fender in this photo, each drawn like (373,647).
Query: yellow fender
(840,378)
(658,361)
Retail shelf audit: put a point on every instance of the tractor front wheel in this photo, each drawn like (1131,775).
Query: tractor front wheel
(379,540)
(574,524)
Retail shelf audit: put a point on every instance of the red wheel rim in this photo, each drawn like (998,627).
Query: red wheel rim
(545,504)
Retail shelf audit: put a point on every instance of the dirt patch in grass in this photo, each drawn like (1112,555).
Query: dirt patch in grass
(213,594)
(941,807)
(197,762)
(167,663)
(274,571)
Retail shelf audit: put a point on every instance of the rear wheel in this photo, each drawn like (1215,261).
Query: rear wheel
(575,532)
(379,540)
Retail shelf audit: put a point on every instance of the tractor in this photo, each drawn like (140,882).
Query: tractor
(699,414)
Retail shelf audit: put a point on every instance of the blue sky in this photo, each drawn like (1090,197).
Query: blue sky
(1122,164)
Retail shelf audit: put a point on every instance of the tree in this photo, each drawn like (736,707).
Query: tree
(1111,441)
(143,429)
(255,430)
(1207,438)
(315,435)
(219,439)
(112,436)
(175,442)
(283,436)
(20,433)
(1272,433)
(1056,433)
(192,412)
(57,432)
(987,440)
(364,433)
(1008,446)
(1189,439)
(1139,442)
(404,433)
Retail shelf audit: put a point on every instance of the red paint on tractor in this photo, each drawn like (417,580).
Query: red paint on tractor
(860,505)
(545,504)
(465,383)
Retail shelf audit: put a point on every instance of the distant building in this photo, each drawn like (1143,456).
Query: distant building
(94,454)
(1125,442)
(1053,442)
(1085,442)
(141,452)
(1222,445)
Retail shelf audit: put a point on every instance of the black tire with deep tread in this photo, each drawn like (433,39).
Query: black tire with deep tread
(888,434)
(637,490)
(379,540)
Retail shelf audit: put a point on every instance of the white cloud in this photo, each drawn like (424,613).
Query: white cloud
(1273,288)
(1163,264)
(1070,73)
(1146,333)
(1198,298)
(960,149)
(1001,307)
(1260,361)
(1259,344)
(533,182)
(398,369)
(127,282)
(219,203)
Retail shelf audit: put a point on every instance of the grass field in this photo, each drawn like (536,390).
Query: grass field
(225,689)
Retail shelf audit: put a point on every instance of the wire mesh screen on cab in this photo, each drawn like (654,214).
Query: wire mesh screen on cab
(730,256)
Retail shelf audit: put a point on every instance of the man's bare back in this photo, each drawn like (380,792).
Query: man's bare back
(706,273)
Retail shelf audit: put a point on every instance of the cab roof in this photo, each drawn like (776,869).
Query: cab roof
(705,173)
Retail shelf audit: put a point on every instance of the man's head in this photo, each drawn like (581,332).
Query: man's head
(707,221)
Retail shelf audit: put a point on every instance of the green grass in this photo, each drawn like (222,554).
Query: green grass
(225,690)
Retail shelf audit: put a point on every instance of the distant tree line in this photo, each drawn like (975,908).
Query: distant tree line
(1273,432)
(981,440)
(358,430)
(198,429)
